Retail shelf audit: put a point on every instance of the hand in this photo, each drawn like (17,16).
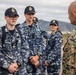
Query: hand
(37,64)
(13,67)
(46,63)
(33,62)
(34,58)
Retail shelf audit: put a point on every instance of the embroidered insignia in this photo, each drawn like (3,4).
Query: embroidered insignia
(30,8)
(13,10)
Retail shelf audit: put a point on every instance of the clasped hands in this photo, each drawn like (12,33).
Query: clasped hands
(34,60)
(13,67)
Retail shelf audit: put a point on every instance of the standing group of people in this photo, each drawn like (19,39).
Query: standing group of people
(22,47)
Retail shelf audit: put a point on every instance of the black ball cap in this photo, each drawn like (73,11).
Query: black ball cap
(11,12)
(29,9)
(35,19)
(54,22)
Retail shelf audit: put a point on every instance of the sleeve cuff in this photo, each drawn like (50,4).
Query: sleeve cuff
(18,63)
(39,54)
(6,65)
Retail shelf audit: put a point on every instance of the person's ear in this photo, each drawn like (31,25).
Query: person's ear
(24,14)
(5,17)
(74,14)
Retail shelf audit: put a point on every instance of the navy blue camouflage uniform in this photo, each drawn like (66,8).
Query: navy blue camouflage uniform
(10,52)
(25,52)
(53,53)
(36,47)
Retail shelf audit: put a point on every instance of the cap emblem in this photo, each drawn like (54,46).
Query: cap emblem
(34,18)
(53,21)
(13,10)
(30,8)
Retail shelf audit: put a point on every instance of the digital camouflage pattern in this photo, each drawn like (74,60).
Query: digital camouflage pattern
(53,53)
(10,52)
(35,45)
(69,55)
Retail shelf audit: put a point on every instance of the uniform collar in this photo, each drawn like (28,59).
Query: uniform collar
(6,29)
(24,24)
(54,33)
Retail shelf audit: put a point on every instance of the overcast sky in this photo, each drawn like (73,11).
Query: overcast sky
(45,9)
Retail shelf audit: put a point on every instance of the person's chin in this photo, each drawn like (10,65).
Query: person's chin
(53,29)
(12,24)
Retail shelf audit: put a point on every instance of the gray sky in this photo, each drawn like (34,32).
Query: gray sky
(45,9)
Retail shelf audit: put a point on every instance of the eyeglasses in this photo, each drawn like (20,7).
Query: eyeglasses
(30,13)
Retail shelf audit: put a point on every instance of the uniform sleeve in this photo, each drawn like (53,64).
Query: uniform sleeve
(25,52)
(39,42)
(40,47)
(69,54)
(66,53)
(3,62)
(56,50)
(44,34)
(19,60)
(47,49)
